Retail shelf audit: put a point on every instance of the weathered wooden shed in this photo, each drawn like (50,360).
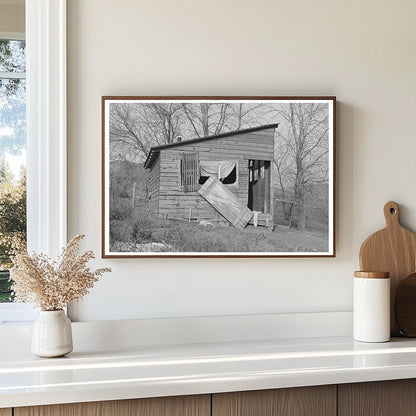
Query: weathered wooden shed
(214,177)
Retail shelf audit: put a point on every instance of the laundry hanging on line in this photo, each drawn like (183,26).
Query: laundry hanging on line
(217,168)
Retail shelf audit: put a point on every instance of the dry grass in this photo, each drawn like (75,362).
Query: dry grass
(181,236)
(134,229)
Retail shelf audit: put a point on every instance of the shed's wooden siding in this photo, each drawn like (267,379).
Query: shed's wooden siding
(258,145)
(153,186)
(175,203)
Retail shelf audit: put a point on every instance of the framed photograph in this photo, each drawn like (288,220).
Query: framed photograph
(218,176)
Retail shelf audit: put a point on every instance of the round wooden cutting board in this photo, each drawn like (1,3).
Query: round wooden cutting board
(405,306)
(392,250)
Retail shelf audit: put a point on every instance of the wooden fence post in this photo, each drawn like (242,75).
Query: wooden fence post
(133,200)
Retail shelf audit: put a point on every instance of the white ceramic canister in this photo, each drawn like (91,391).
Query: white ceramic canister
(371,310)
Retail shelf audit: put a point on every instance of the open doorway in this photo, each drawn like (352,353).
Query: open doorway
(259,192)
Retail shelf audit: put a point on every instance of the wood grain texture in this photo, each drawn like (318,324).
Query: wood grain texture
(175,203)
(383,398)
(300,401)
(153,183)
(392,250)
(372,275)
(161,406)
(405,306)
(5,412)
(225,202)
(257,145)
(251,145)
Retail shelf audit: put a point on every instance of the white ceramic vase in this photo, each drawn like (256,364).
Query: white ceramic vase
(52,334)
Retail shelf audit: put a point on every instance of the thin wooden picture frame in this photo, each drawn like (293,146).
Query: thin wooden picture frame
(180,207)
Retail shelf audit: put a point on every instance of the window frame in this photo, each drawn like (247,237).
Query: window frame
(46,125)
(46,135)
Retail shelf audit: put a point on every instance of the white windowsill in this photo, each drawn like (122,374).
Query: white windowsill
(16,313)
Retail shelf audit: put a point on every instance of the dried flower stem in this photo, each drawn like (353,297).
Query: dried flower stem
(53,285)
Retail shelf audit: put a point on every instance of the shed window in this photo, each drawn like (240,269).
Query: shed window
(224,170)
(231,177)
(190,172)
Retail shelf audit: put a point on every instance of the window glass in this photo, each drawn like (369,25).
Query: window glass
(12,156)
(12,56)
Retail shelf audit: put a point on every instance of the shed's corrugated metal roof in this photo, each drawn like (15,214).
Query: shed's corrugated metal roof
(154,151)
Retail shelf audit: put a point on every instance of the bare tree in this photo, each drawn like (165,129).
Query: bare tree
(135,128)
(282,169)
(205,119)
(163,121)
(304,138)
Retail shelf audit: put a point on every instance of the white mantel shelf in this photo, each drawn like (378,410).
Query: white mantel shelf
(151,371)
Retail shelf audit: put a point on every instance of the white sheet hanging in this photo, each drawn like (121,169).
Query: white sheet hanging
(218,168)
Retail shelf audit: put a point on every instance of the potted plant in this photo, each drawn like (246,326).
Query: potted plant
(52,286)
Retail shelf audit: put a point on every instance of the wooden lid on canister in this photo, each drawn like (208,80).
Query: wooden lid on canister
(372,275)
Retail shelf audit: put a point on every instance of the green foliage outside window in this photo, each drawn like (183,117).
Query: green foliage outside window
(12,156)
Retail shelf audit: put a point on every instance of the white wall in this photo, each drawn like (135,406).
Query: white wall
(12,17)
(361,51)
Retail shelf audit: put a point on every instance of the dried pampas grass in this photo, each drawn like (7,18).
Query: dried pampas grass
(53,285)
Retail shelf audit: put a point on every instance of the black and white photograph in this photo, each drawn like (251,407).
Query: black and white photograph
(218,176)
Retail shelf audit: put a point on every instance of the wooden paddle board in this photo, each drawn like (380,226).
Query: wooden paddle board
(393,250)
